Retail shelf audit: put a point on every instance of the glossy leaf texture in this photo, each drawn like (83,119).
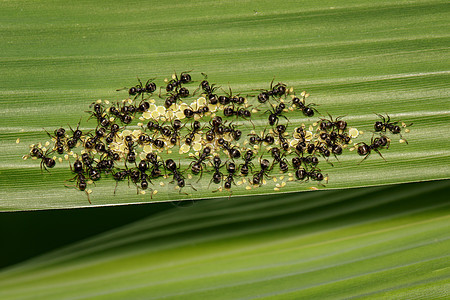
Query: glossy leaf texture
(370,243)
(355,59)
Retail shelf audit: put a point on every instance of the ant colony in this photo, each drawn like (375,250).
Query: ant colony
(147,142)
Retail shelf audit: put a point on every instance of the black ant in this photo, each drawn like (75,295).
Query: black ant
(232,151)
(231,129)
(76,136)
(229,98)
(375,145)
(259,176)
(146,139)
(215,123)
(278,157)
(314,174)
(112,134)
(175,83)
(309,160)
(308,110)
(152,158)
(191,135)
(333,136)
(120,175)
(141,89)
(388,125)
(189,112)
(330,124)
(46,162)
(280,130)
(79,177)
(239,113)
(164,130)
(175,96)
(176,126)
(256,139)
(217,176)
(172,166)
(100,114)
(123,113)
(143,167)
(275,113)
(88,165)
(199,163)
(249,155)
(209,90)
(131,155)
(231,169)
(278,90)
(92,141)
(311,148)
(60,135)
(106,164)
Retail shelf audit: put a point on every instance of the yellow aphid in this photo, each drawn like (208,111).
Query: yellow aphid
(155,114)
(401,141)
(66,157)
(34,158)
(152,101)
(291,179)
(283,184)
(98,101)
(89,191)
(277,185)
(106,102)
(18,140)
(361,132)
(180,115)
(353,132)
(60,159)
(351,149)
(184,149)
(177,187)
(54,157)
(75,155)
(212,107)
(244,180)
(161,110)
(169,152)
(130,101)
(281,177)
(112,119)
(155,192)
(274,179)
(276,189)
(142,156)
(248,187)
(291,90)
(264,181)
(254,110)
(25,157)
(315,124)
(311,128)
(169,114)
(162,183)
(239,182)
(142,192)
(197,147)
(189,176)
(136,133)
(140,124)
(147,148)
(47,143)
(308,135)
(407,130)
(313,188)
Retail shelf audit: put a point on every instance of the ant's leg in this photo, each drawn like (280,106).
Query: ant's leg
(117,182)
(367,155)
(89,198)
(379,153)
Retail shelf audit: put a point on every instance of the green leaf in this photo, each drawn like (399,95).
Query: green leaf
(354,60)
(378,243)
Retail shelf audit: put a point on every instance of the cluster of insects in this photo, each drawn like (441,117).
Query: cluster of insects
(145,139)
